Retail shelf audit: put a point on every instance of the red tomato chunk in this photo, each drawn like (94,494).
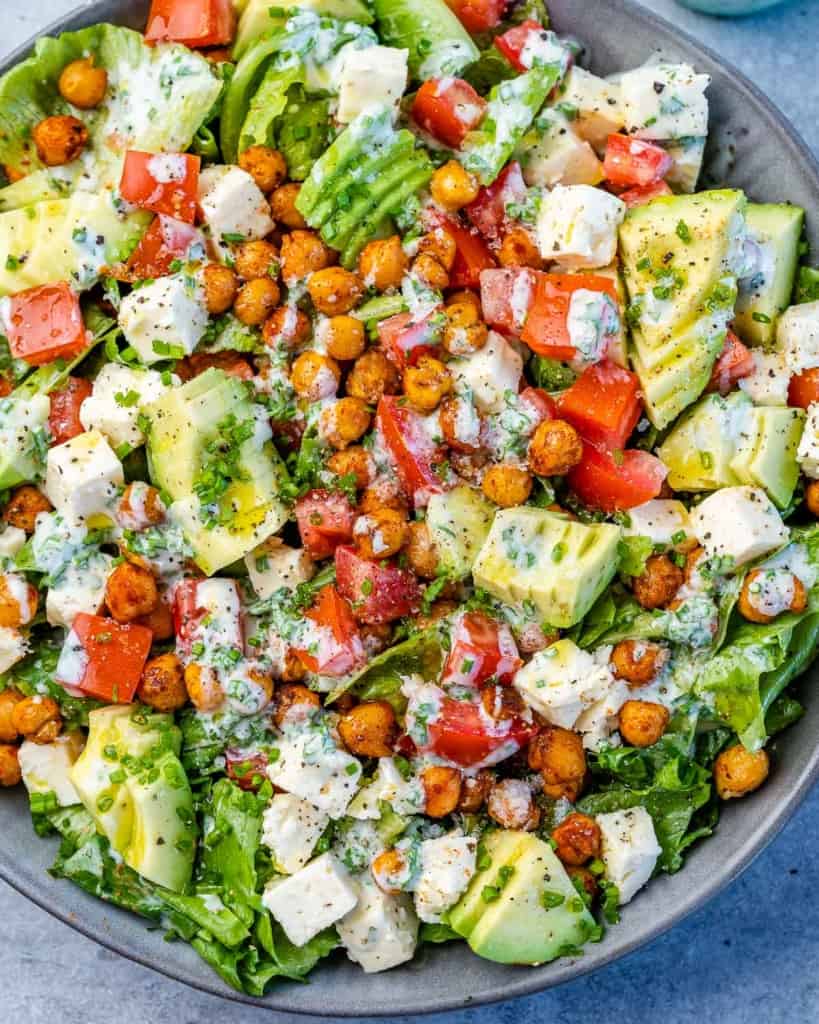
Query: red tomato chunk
(45,323)
(163,183)
(110,657)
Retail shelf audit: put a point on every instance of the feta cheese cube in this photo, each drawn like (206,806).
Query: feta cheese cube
(808,452)
(274,565)
(630,849)
(164,319)
(81,588)
(599,720)
(46,768)
(447,866)
(560,157)
(797,335)
(310,766)
(312,899)
(768,384)
(577,226)
(291,827)
(665,101)
(663,520)
(738,524)
(83,476)
(232,205)
(113,406)
(598,105)
(13,648)
(382,931)
(375,76)
(562,680)
(12,540)
(489,373)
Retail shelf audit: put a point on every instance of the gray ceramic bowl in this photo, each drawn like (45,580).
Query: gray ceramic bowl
(756,150)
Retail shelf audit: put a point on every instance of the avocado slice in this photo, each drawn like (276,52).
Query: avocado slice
(23,438)
(766,453)
(765,295)
(260,17)
(497,850)
(559,565)
(459,522)
(699,450)
(807,285)
(688,154)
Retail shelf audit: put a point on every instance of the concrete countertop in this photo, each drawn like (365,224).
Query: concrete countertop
(753,953)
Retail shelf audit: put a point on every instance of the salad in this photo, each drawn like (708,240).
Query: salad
(410,480)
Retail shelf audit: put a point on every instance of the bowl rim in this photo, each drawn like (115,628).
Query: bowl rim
(759,837)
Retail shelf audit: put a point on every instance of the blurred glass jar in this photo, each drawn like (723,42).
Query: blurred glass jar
(729,8)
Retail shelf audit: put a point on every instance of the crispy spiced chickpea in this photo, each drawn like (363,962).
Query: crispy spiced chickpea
(427,383)
(162,685)
(130,592)
(453,186)
(442,789)
(140,506)
(502,703)
(381,533)
(383,263)
(204,689)
(469,465)
(315,376)
(555,448)
(220,285)
(257,258)
(511,805)
(9,699)
(60,139)
(335,290)
(369,729)
(812,498)
(344,337)
(10,773)
(738,771)
(583,878)
(256,301)
(159,621)
(430,271)
(283,206)
(37,718)
(637,661)
(293,669)
(507,486)
(518,249)
(372,376)
(383,494)
(439,611)
(293,700)
(264,681)
(389,870)
(559,756)
(355,461)
(344,422)
(25,504)
(440,245)
(82,84)
(422,557)
(659,582)
(266,166)
(287,325)
(460,424)
(577,839)
(16,608)
(303,253)
(474,791)
(465,296)
(642,722)
(787,594)
(464,331)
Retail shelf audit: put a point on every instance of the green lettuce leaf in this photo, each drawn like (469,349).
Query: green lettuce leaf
(421,654)
(267,106)
(231,844)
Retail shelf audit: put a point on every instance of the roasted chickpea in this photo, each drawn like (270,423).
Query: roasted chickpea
(344,337)
(559,756)
(292,670)
(335,290)
(469,465)
(25,504)
(283,206)
(507,486)
(376,637)
(383,494)
(577,839)
(140,506)
(422,557)
(9,699)
(439,611)
(738,771)
(10,773)
(159,621)
(344,422)
(220,285)
(812,498)
(659,582)
(518,249)
(232,363)
(17,608)
(583,878)
(460,424)
(303,253)
(355,461)
(464,332)
(256,301)
(369,729)
(380,534)
(265,684)
(37,718)
(511,805)
(453,186)
(555,448)
(694,561)
(256,259)
(426,383)
(442,788)
(287,325)
(293,701)
(637,661)
(766,594)
(315,376)
(427,269)
(474,791)
(502,702)
(466,297)
(389,870)
(642,722)
(82,84)
(266,166)
(60,139)
(383,263)
(440,245)
(162,685)
(130,592)
(204,689)
(371,377)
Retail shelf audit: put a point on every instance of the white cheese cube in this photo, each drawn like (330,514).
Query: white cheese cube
(274,565)
(562,680)
(599,720)
(663,520)
(321,774)
(83,476)
(489,373)
(376,76)
(81,588)
(560,157)
(164,319)
(12,540)
(738,524)
(665,101)
(797,335)
(291,827)
(447,866)
(312,899)
(113,406)
(768,384)
(382,931)
(46,768)
(13,648)
(688,156)
(234,207)
(630,849)
(404,796)
(598,105)
(577,225)
(808,452)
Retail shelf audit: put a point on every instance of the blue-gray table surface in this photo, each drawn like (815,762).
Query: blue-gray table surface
(752,953)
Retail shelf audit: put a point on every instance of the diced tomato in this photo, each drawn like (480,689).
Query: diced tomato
(506,297)
(482,649)
(640,196)
(64,417)
(199,605)
(45,323)
(541,402)
(378,593)
(448,109)
(734,362)
(412,450)
(465,736)
(405,340)
(478,15)
(488,211)
(111,656)
(603,404)
(615,482)
(337,649)
(247,770)
(631,163)
(513,43)
(546,330)
(325,520)
(196,23)
(163,183)
(472,255)
(804,388)
(166,241)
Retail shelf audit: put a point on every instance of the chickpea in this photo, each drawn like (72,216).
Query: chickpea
(15,609)
(371,377)
(25,504)
(345,422)
(427,383)
(159,621)
(293,670)
(140,506)
(232,363)
(693,563)
(464,332)
(419,548)
(555,448)
(453,186)
(335,290)
(383,263)
(659,582)
(389,870)
(59,140)
(578,839)
(256,259)
(430,271)
(440,245)
(637,661)
(82,84)
(9,699)
(642,722)
(460,424)
(812,498)
(287,325)
(738,771)
(753,588)
(220,285)
(384,494)
(315,376)
(475,790)
(130,592)
(466,297)
(354,461)
(162,685)
(37,718)
(469,465)
(511,805)
(439,611)
(531,638)
(266,166)
(303,253)
(10,773)
(518,249)
(585,879)
(256,301)
(283,206)
(369,729)
(381,534)
(265,684)
(204,689)
(507,486)
(442,788)
(376,637)
(344,337)
(559,756)
(293,701)
(502,703)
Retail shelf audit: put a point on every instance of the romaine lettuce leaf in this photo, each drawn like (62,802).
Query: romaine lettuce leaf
(422,654)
